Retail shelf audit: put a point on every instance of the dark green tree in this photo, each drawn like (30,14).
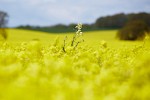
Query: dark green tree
(133,30)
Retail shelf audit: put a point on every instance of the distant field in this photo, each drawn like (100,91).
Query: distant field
(27,35)
(93,37)
(18,35)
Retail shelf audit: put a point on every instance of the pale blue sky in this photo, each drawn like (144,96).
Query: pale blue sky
(51,12)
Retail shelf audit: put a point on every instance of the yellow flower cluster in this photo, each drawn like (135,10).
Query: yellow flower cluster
(32,71)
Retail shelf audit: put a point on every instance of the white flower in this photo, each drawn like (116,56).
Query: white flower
(79,26)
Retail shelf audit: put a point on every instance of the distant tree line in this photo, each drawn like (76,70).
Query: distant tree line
(116,21)
(120,20)
(59,28)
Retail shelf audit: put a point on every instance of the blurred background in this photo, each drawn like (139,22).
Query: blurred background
(59,16)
